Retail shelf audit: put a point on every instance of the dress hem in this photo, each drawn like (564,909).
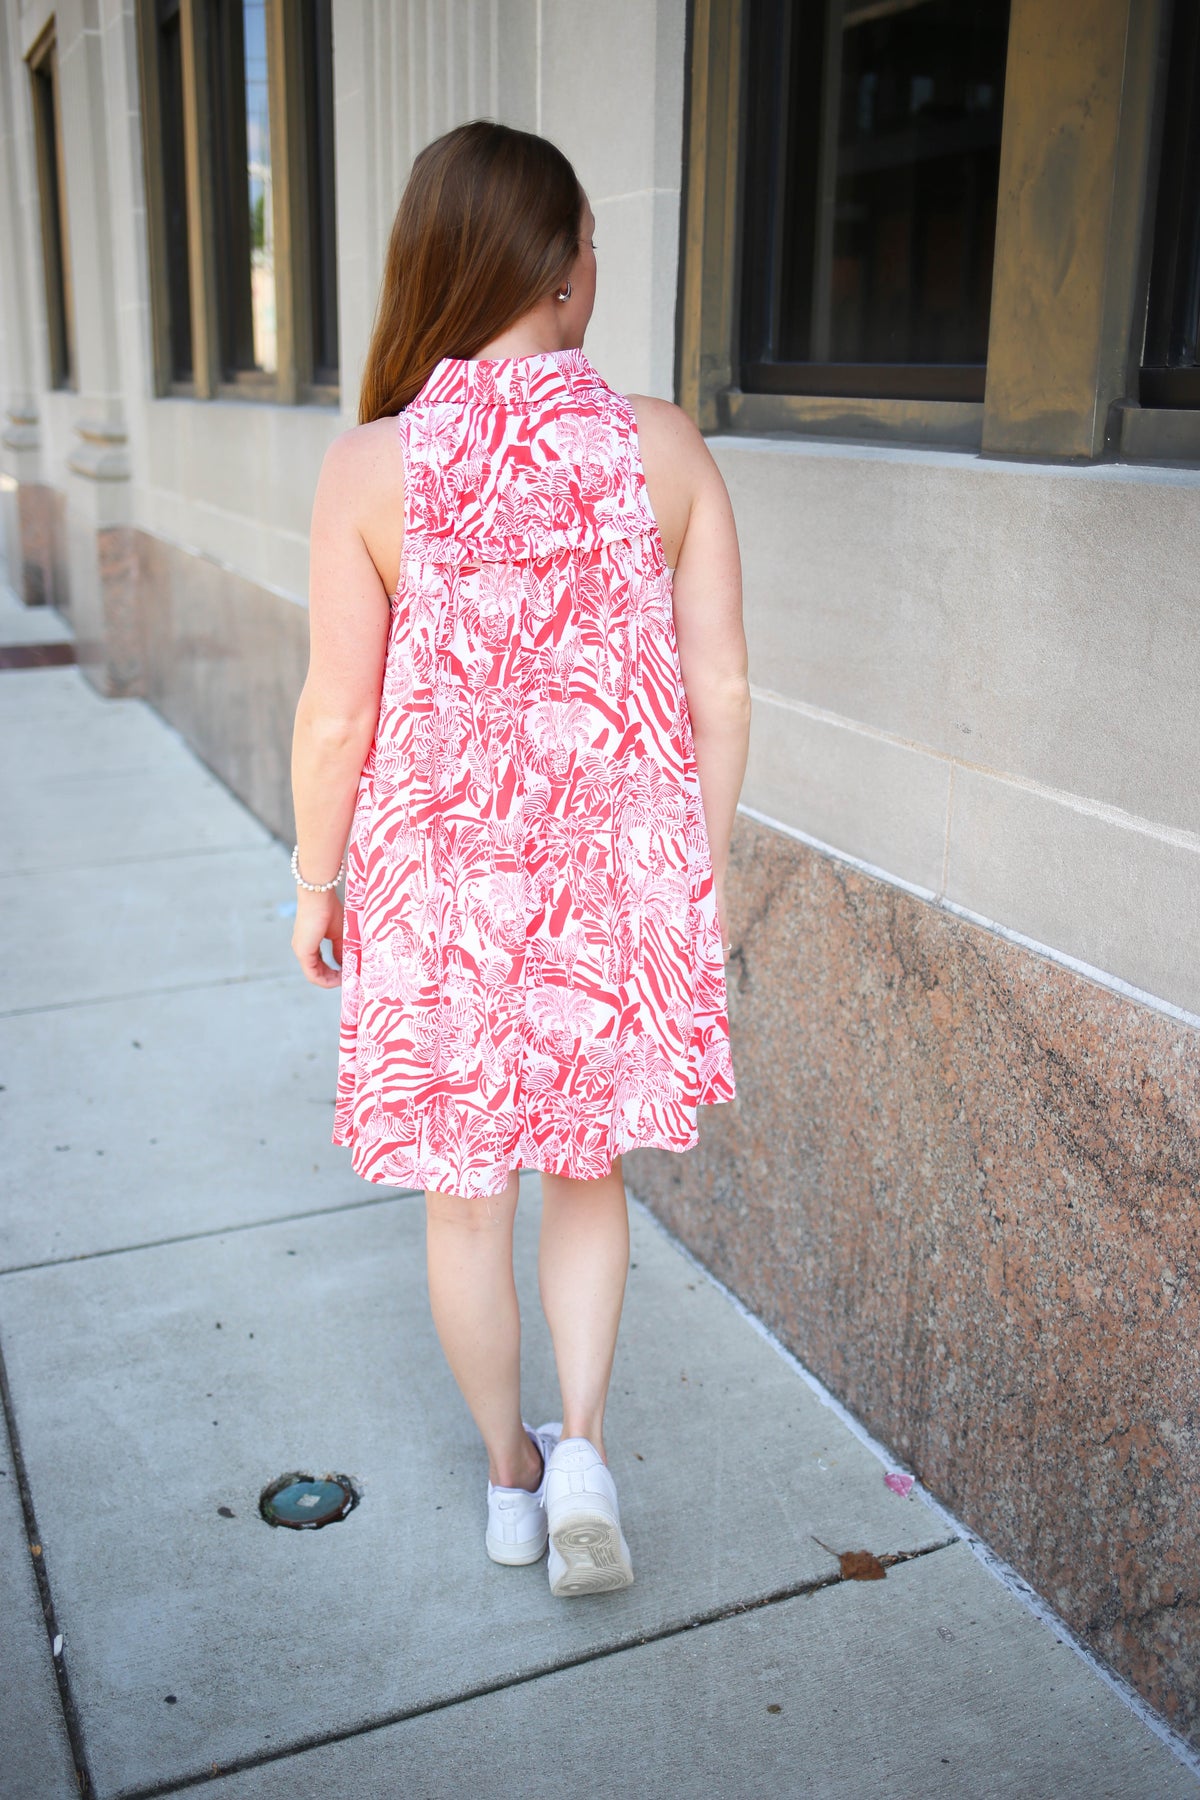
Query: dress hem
(345,1138)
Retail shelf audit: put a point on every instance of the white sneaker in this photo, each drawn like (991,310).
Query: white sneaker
(588,1553)
(516,1527)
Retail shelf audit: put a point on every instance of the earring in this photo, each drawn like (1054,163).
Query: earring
(567,295)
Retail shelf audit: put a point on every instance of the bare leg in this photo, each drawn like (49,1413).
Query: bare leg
(474,1302)
(582,1265)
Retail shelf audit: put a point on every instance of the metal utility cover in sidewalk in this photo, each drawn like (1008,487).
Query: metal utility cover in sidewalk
(151,1369)
(180,1328)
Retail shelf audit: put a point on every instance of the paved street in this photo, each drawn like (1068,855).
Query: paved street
(197,1296)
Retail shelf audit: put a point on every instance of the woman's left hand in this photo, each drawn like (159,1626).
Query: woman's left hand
(719,888)
(318,916)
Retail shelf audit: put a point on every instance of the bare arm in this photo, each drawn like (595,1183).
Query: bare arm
(338,709)
(711,639)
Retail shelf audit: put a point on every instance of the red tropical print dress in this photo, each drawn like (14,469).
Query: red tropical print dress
(532,974)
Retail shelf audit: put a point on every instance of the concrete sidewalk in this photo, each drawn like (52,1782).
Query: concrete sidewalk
(198,1295)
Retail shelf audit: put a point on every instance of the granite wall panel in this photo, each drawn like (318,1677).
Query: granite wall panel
(960,1180)
(962,1183)
(103,584)
(40,526)
(117,563)
(223,660)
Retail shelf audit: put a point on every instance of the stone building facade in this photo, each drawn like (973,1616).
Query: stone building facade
(962,1175)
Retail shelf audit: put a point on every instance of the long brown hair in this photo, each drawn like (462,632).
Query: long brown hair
(487,225)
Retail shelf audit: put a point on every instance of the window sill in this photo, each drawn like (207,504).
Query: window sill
(326,398)
(953,424)
(1156,434)
(321,394)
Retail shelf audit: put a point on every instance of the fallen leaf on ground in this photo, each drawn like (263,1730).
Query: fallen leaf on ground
(857,1565)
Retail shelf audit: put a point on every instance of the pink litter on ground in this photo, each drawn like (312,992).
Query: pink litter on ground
(899,1484)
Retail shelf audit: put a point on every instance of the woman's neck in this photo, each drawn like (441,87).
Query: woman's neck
(535,335)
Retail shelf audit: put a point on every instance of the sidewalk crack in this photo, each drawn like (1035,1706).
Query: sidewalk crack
(66,1699)
(215,1231)
(679,1628)
(150,993)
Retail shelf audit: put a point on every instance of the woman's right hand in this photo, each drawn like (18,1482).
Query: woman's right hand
(719,889)
(318,916)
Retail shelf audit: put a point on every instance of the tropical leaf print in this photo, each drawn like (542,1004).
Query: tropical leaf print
(490,604)
(587,439)
(540,586)
(531,970)
(560,1017)
(557,729)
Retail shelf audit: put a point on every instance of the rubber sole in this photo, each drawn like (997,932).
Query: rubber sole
(514,1555)
(588,1555)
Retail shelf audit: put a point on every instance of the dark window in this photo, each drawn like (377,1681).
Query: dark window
(1171,359)
(43,70)
(316,61)
(869,205)
(244,238)
(238,140)
(169,53)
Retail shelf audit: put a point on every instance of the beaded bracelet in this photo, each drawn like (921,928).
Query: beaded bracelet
(315,887)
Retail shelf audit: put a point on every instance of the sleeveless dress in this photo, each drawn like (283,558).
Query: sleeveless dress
(532,973)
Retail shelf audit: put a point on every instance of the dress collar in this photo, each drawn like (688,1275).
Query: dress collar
(509,380)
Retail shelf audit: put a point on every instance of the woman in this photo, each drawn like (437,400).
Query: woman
(525,727)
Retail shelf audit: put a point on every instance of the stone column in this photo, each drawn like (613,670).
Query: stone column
(1072,224)
(98,90)
(26,505)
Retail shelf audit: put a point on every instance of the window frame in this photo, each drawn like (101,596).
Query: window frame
(1161,420)
(58,293)
(708,317)
(776,114)
(304,124)
(1093,340)
(294,381)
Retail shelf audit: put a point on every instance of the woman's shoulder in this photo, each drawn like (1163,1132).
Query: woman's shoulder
(361,488)
(672,450)
(364,459)
(360,445)
(668,434)
(675,455)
